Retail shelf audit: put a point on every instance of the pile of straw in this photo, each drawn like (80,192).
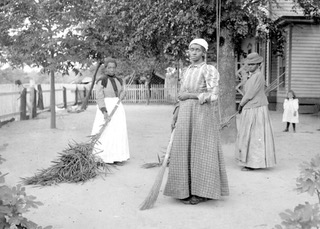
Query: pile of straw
(76,164)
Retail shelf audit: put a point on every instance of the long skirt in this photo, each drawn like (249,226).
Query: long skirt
(196,161)
(113,145)
(255,146)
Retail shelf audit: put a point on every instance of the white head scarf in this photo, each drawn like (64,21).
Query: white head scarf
(200,41)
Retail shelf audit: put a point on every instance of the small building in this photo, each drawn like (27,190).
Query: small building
(298,69)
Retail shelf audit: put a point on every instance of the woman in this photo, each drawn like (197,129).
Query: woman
(197,170)
(113,144)
(255,143)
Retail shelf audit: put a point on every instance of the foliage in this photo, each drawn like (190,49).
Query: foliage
(311,8)
(13,203)
(305,216)
(309,180)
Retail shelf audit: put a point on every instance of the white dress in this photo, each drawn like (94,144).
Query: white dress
(113,145)
(290,111)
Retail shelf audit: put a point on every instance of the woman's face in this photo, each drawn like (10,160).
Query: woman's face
(111,69)
(253,67)
(196,53)
(290,95)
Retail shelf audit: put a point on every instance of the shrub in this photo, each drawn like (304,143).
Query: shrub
(13,203)
(305,216)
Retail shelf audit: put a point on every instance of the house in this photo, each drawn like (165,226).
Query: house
(298,69)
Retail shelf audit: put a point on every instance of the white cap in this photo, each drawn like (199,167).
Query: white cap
(200,41)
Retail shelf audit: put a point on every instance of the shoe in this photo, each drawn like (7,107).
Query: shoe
(247,169)
(119,163)
(197,199)
(286,130)
(186,200)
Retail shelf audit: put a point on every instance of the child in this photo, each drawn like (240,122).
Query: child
(290,111)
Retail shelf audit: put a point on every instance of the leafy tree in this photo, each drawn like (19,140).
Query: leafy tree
(43,33)
(163,30)
(311,8)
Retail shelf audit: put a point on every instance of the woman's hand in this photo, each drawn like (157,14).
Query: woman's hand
(106,116)
(185,95)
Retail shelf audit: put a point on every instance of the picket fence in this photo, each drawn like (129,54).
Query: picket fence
(10,102)
(139,93)
(10,98)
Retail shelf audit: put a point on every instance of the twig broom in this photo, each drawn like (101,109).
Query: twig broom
(95,138)
(154,192)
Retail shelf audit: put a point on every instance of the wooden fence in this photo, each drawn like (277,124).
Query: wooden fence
(156,94)
(17,105)
(13,107)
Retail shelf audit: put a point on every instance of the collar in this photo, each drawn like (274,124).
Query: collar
(252,73)
(197,65)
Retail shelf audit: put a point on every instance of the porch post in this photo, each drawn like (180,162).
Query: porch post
(290,57)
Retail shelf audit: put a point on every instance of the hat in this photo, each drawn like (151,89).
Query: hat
(253,58)
(201,42)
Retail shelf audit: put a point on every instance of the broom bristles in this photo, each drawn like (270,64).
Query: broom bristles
(154,192)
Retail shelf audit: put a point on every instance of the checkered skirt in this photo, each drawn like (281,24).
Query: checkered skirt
(196,163)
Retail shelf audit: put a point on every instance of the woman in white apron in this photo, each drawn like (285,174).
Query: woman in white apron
(113,146)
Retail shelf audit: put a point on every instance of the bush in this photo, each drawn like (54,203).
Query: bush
(305,216)
(13,203)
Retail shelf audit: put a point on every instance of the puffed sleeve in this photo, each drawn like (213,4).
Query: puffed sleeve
(253,89)
(212,77)
(296,104)
(100,96)
(285,104)
(182,79)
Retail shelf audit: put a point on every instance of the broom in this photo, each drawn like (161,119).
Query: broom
(225,123)
(154,192)
(95,137)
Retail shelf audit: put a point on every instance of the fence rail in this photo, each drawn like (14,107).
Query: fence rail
(72,94)
(143,94)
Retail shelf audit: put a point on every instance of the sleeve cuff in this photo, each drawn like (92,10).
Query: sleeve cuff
(103,109)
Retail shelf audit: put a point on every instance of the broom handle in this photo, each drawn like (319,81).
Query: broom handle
(166,157)
(103,127)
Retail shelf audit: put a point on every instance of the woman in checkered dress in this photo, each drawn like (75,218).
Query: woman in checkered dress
(197,169)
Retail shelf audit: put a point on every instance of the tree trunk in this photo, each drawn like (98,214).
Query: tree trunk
(227,86)
(86,100)
(40,97)
(52,100)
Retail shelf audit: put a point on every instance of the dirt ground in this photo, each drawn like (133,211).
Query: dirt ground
(255,201)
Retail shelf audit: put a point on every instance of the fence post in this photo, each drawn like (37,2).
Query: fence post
(23,104)
(84,95)
(148,92)
(64,91)
(33,102)
(40,97)
(76,96)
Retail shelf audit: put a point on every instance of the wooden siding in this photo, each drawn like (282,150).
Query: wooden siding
(305,67)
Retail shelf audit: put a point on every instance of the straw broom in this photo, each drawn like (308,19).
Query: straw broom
(77,163)
(225,123)
(95,138)
(154,192)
